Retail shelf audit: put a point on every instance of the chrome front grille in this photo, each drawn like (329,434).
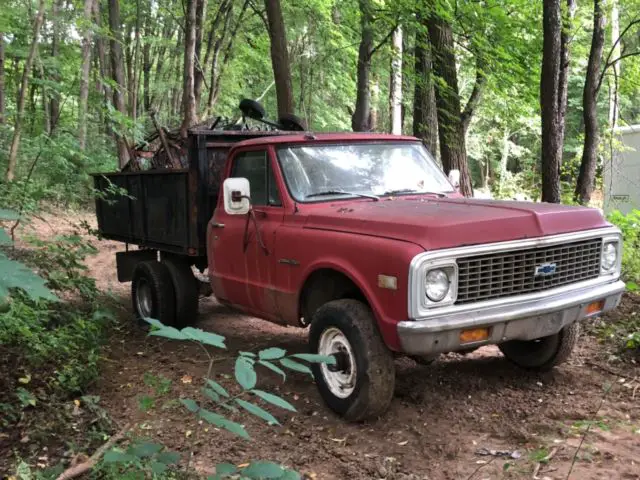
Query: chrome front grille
(502,274)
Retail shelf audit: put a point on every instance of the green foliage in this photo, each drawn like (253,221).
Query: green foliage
(217,399)
(144,458)
(630,226)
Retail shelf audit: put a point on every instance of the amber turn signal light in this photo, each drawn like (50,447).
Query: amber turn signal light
(595,307)
(474,335)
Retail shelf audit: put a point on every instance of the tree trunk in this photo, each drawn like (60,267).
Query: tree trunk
(1,78)
(135,61)
(450,127)
(425,119)
(84,77)
(395,87)
(586,178)
(549,101)
(54,102)
(188,90)
(615,34)
(504,158)
(279,57)
(22,95)
(117,72)
(201,9)
(361,115)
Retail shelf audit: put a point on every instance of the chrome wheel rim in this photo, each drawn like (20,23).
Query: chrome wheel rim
(144,299)
(341,379)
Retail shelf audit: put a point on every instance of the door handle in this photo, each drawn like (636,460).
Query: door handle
(217,225)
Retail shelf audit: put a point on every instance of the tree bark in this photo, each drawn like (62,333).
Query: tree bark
(615,34)
(84,77)
(553,96)
(22,95)
(425,117)
(189,117)
(279,57)
(117,72)
(586,178)
(362,113)
(450,127)
(1,78)
(54,102)
(201,9)
(395,87)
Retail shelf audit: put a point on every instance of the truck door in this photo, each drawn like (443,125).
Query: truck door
(243,250)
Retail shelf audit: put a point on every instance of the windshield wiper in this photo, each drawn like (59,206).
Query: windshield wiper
(341,192)
(411,190)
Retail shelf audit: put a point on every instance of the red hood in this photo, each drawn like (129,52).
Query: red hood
(445,223)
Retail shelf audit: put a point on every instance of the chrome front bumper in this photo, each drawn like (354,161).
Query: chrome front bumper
(521,319)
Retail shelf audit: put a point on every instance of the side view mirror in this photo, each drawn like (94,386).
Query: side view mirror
(454,178)
(236,193)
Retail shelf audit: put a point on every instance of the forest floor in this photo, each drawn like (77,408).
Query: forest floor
(463,417)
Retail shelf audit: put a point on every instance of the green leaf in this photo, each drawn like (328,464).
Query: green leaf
(247,354)
(217,387)
(293,365)
(191,405)
(245,374)
(290,475)
(154,322)
(222,422)
(204,337)
(257,411)
(272,353)
(273,368)
(274,400)
(115,456)
(632,287)
(259,470)
(315,358)
(8,215)
(158,468)
(5,239)
(226,469)
(146,449)
(168,332)
(16,275)
(207,392)
(168,458)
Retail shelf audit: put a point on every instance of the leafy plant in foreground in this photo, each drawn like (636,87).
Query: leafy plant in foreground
(217,401)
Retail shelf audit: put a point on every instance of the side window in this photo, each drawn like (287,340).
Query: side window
(255,167)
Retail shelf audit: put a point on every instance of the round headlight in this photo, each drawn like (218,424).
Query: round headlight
(437,285)
(609,257)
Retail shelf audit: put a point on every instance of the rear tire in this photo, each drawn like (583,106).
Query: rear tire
(363,387)
(152,292)
(187,291)
(543,353)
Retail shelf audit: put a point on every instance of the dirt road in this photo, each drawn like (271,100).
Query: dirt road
(445,421)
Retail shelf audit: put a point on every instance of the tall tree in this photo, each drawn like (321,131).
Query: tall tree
(425,119)
(451,130)
(1,78)
(586,178)
(553,92)
(615,66)
(54,102)
(189,112)
(84,74)
(201,9)
(22,93)
(395,87)
(360,120)
(279,57)
(117,72)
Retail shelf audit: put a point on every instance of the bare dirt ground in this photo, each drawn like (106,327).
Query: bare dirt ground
(443,416)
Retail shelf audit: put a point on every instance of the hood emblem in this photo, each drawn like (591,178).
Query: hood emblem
(545,270)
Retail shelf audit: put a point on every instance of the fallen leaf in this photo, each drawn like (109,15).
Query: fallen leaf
(188,433)
(244,465)
(402,444)
(24,380)
(187,379)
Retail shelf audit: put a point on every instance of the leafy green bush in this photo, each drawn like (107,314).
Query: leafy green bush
(630,226)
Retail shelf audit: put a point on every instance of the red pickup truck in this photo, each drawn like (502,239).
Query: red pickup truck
(363,238)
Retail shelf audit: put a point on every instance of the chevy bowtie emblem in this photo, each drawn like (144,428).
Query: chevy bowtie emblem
(545,270)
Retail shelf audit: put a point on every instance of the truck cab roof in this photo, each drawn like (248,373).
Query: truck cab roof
(310,137)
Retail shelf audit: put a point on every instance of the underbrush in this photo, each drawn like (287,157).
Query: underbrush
(623,325)
(53,324)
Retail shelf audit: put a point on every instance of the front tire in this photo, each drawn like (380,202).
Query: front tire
(152,292)
(543,353)
(187,291)
(361,384)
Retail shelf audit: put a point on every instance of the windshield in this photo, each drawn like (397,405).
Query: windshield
(325,172)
